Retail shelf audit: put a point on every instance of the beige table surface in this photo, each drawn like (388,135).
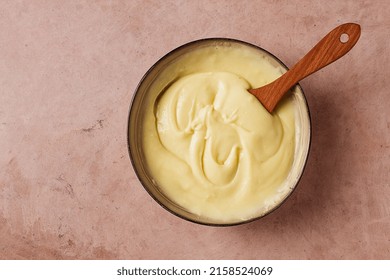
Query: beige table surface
(68,70)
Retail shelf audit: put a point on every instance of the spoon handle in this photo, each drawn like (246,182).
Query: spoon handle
(328,50)
(333,46)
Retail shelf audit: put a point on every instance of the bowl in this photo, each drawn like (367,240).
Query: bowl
(183,61)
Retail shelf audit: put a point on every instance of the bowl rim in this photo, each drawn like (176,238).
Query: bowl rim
(131,155)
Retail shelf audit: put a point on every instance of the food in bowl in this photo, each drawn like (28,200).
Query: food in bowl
(207,149)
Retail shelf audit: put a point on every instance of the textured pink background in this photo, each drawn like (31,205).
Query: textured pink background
(68,70)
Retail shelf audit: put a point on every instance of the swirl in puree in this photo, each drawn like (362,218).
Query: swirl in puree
(210,145)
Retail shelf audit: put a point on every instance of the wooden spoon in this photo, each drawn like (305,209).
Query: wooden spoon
(333,46)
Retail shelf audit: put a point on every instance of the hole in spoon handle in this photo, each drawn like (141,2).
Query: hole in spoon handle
(344,38)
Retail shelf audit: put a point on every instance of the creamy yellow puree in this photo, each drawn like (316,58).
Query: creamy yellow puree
(209,145)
